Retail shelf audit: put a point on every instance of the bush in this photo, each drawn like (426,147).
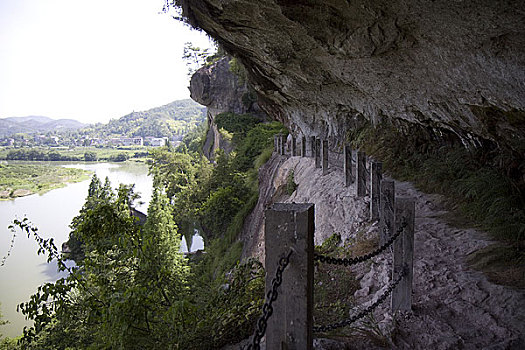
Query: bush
(219,209)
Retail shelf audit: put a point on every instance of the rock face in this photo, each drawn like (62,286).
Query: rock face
(454,67)
(217,88)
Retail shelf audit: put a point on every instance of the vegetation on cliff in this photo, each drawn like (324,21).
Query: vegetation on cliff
(483,186)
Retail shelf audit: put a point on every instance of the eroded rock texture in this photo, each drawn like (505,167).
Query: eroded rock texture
(454,67)
(220,90)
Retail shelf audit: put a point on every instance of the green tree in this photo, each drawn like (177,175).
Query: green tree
(90,156)
(130,290)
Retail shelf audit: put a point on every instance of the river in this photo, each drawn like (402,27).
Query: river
(52,213)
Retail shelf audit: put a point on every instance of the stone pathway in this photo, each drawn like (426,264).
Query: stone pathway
(454,307)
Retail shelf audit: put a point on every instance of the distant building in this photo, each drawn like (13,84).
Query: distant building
(158,141)
(127,141)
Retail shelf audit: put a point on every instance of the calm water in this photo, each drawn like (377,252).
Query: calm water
(52,213)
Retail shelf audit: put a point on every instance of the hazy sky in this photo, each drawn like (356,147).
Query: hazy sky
(90,60)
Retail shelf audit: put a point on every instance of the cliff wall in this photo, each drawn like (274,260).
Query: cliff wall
(220,90)
(453,69)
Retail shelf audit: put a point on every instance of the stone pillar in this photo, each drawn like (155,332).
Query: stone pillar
(386,210)
(303,146)
(294,146)
(312,146)
(317,153)
(375,180)
(283,144)
(276,143)
(324,149)
(348,165)
(290,226)
(404,254)
(361,174)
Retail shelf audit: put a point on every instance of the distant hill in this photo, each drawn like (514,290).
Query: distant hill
(172,120)
(36,124)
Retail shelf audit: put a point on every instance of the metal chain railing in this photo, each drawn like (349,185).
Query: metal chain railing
(362,258)
(366,311)
(267,309)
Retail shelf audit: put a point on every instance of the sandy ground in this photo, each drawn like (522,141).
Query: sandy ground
(454,307)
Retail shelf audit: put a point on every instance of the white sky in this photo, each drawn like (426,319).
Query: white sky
(90,60)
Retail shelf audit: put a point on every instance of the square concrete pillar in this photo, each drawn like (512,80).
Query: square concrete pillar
(312,146)
(375,181)
(386,210)
(361,174)
(290,226)
(283,144)
(349,179)
(317,153)
(404,254)
(324,149)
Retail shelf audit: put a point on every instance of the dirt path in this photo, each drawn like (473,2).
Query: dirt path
(454,307)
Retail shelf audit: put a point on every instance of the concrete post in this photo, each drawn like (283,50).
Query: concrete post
(283,144)
(312,146)
(324,149)
(317,153)
(303,146)
(348,165)
(294,146)
(290,226)
(386,211)
(404,254)
(361,174)
(375,181)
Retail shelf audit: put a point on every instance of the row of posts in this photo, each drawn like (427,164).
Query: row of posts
(358,173)
(291,226)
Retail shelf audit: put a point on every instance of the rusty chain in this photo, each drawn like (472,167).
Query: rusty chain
(362,258)
(267,309)
(366,311)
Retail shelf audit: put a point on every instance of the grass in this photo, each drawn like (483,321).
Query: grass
(24,179)
(478,183)
(334,289)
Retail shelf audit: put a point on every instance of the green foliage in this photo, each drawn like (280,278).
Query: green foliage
(233,303)
(291,186)
(18,179)
(90,156)
(258,139)
(484,195)
(218,199)
(32,154)
(197,57)
(121,157)
(237,124)
(249,98)
(219,209)
(76,154)
(130,291)
(238,69)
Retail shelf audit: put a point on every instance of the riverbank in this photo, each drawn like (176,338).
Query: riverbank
(19,180)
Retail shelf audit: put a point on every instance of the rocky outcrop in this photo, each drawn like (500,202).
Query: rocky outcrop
(220,90)
(454,68)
